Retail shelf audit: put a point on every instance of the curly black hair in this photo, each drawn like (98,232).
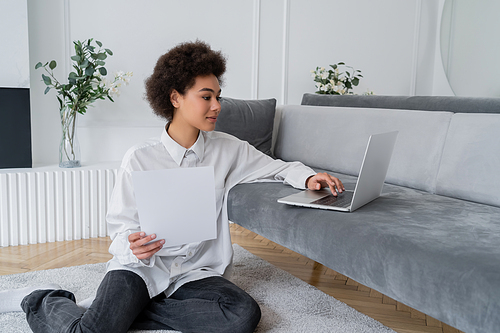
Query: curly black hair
(177,70)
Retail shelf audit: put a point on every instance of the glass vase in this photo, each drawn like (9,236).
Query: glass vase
(69,149)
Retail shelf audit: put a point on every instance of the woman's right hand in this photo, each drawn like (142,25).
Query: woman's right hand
(139,247)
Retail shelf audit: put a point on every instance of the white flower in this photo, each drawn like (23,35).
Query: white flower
(324,75)
(126,79)
(114,92)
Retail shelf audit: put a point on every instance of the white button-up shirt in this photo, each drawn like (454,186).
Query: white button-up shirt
(234,162)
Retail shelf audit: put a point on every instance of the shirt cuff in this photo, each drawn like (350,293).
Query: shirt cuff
(297,178)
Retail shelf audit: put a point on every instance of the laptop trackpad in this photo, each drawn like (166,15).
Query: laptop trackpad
(308,196)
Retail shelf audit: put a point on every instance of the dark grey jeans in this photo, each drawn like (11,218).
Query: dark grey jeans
(213,304)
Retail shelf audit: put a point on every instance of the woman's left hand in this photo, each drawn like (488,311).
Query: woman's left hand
(323,179)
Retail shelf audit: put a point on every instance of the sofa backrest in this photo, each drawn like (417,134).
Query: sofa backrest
(334,138)
(470,165)
(422,103)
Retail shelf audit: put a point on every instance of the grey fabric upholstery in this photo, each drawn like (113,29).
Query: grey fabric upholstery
(338,139)
(470,166)
(424,103)
(403,244)
(248,120)
(432,241)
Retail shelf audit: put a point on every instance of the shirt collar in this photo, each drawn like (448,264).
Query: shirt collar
(177,151)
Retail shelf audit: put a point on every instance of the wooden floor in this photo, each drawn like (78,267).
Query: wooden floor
(20,259)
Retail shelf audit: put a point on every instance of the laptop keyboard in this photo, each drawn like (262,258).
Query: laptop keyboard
(342,200)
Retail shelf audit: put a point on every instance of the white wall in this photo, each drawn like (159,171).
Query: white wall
(271,47)
(471,47)
(14,61)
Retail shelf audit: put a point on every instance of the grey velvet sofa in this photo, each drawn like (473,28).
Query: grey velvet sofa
(432,240)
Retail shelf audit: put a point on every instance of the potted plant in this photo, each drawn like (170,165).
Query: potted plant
(334,81)
(86,84)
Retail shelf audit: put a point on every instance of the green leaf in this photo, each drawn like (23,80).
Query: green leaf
(355,81)
(84,64)
(109,51)
(38,65)
(52,64)
(341,63)
(75,58)
(103,71)
(47,90)
(46,79)
(98,43)
(60,102)
(101,56)
(89,71)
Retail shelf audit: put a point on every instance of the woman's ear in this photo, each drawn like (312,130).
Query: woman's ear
(174,98)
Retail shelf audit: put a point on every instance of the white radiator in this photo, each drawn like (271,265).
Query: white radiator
(54,205)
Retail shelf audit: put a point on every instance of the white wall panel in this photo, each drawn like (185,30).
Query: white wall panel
(139,32)
(425,66)
(14,58)
(46,42)
(373,36)
(271,47)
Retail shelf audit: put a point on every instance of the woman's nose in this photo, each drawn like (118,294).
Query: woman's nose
(216,105)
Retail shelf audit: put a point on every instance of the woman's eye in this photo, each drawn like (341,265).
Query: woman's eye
(206,98)
(219,98)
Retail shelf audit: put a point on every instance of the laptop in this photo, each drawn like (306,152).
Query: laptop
(368,186)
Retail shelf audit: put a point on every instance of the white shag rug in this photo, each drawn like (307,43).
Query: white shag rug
(288,304)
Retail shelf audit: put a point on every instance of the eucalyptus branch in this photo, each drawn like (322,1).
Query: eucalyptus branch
(86,83)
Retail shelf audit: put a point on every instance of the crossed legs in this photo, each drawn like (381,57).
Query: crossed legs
(209,305)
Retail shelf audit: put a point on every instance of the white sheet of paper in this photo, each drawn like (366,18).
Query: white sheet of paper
(177,205)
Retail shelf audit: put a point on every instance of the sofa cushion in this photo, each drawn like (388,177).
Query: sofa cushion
(436,254)
(248,120)
(344,133)
(471,159)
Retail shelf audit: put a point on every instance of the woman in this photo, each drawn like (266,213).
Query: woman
(150,285)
